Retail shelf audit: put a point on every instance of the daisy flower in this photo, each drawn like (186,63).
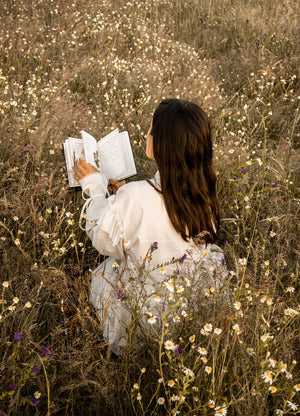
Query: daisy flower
(272,389)
(293,406)
(152,320)
(211,404)
(157,299)
(208,369)
(267,376)
(237,305)
(283,367)
(243,261)
(189,372)
(160,400)
(169,345)
(290,312)
(171,383)
(208,327)
(236,328)
(169,285)
(250,351)
(220,411)
(202,351)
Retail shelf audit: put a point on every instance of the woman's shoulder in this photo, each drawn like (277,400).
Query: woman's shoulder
(136,189)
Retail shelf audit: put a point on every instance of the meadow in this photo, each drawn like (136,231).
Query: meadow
(71,65)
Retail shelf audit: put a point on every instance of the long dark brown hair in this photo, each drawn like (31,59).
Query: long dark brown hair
(182,149)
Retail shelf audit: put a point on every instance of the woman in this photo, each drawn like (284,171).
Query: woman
(147,225)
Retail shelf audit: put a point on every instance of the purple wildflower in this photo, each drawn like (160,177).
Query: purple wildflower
(243,171)
(27,149)
(179,350)
(120,296)
(227,244)
(35,369)
(223,261)
(275,185)
(12,387)
(46,352)
(17,337)
(34,401)
(167,372)
(183,258)
(154,245)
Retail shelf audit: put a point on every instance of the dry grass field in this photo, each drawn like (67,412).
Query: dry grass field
(68,65)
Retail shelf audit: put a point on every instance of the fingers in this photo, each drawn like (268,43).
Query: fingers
(115,185)
(82,168)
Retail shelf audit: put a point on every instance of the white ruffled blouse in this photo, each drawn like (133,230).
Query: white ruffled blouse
(124,227)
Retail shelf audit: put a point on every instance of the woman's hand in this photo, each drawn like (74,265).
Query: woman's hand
(82,168)
(114,186)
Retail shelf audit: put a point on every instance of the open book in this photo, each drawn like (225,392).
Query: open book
(112,155)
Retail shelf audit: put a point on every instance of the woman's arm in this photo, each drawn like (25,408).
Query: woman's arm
(103,223)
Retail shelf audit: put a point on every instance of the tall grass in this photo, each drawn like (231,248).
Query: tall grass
(72,65)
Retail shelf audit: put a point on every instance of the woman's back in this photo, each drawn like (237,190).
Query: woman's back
(155,231)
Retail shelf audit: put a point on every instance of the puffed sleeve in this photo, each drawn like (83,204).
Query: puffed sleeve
(103,223)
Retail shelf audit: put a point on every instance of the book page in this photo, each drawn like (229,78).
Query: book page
(73,149)
(90,149)
(110,156)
